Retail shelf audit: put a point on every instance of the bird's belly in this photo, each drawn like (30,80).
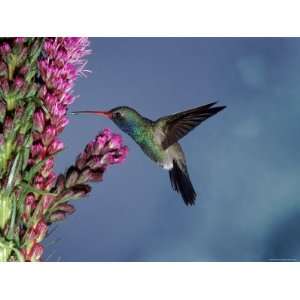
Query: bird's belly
(161,157)
(154,152)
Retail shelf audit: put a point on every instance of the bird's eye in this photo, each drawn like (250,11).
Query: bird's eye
(118,115)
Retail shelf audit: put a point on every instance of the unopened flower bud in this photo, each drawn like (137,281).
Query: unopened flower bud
(39,120)
(23,70)
(39,182)
(41,229)
(19,40)
(75,192)
(55,147)
(47,167)
(47,201)
(18,84)
(89,149)
(60,184)
(29,206)
(95,163)
(5,49)
(57,216)
(31,234)
(80,190)
(35,253)
(48,135)
(71,176)
(50,181)
(61,124)
(81,160)
(90,175)
(66,208)
(38,150)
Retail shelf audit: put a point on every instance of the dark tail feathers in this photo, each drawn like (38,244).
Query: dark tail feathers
(181,183)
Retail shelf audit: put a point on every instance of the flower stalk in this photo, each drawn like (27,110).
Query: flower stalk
(37,77)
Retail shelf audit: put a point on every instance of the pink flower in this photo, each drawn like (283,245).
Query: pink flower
(20,40)
(107,133)
(38,150)
(57,216)
(47,201)
(66,208)
(55,147)
(5,49)
(47,167)
(115,142)
(18,83)
(61,123)
(49,182)
(48,135)
(39,120)
(35,253)
(41,229)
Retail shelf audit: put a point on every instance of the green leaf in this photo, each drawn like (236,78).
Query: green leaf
(12,174)
(13,217)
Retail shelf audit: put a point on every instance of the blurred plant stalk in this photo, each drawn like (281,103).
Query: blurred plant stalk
(37,76)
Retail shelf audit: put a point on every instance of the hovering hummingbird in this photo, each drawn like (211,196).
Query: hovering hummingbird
(159,139)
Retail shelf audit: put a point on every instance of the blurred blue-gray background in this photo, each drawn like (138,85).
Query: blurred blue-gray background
(244,162)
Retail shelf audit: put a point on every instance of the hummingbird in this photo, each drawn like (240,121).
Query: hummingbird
(159,139)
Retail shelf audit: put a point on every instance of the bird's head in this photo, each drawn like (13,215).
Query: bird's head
(123,116)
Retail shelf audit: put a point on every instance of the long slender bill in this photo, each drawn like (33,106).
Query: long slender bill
(106,114)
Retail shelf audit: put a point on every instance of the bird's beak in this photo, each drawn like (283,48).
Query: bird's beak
(106,114)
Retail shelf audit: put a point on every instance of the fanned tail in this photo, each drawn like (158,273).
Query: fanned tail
(182,184)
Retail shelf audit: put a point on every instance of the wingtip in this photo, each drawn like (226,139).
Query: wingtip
(221,107)
(210,104)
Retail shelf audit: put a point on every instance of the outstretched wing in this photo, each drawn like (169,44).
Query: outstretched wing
(178,125)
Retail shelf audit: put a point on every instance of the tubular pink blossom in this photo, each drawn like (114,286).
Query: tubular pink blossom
(19,40)
(38,151)
(48,135)
(47,201)
(35,253)
(18,83)
(55,147)
(41,229)
(5,49)
(115,142)
(47,167)
(49,181)
(39,120)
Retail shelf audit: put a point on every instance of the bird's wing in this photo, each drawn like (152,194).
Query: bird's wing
(178,125)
